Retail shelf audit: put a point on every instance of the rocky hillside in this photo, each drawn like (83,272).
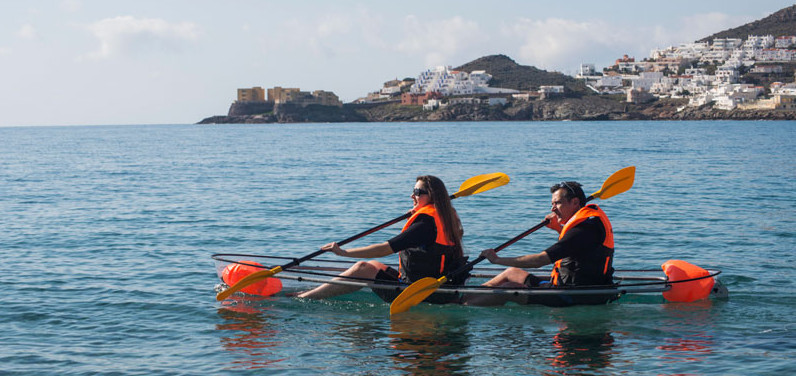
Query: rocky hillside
(506,73)
(781,23)
(571,108)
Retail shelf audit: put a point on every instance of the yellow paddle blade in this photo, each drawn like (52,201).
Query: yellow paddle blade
(481,183)
(246,281)
(416,293)
(617,183)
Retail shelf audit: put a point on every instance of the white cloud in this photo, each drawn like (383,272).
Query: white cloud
(71,5)
(700,26)
(334,35)
(328,36)
(5,51)
(332,25)
(129,35)
(27,31)
(439,40)
(560,43)
(371,26)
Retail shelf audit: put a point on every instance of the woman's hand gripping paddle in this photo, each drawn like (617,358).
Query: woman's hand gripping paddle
(472,186)
(617,183)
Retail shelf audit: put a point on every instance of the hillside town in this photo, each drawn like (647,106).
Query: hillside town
(755,74)
(705,73)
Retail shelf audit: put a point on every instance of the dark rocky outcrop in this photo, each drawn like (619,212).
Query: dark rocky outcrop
(585,108)
(780,23)
(506,73)
(249,108)
(286,113)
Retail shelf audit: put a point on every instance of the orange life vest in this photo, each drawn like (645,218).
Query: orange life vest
(413,265)
(431,211)
(581,215)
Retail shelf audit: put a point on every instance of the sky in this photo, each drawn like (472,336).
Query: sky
(86,62)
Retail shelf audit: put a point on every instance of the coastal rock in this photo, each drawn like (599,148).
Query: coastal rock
(249,108)
(582,108)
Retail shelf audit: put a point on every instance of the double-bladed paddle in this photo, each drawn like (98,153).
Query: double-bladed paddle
(617,183)
(471,186)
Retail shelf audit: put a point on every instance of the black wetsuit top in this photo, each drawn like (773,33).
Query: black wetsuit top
(583,260)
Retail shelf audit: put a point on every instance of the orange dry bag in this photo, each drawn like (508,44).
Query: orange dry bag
(236,271)
(677,270)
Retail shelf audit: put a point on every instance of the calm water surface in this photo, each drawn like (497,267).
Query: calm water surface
(106,236)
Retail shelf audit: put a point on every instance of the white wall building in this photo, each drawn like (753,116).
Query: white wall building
(776,54)
(754,42)
(785,42)
(587,70)
(449,82)
(727,75)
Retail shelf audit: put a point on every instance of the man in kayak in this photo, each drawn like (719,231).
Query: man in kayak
(583,255)
(430,245)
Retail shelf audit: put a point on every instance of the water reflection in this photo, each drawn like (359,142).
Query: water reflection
(430,344)
(249,333)
(689,327)
(583,342)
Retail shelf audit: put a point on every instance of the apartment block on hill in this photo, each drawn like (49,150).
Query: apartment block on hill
(682,71)
(280,95)
(255,94)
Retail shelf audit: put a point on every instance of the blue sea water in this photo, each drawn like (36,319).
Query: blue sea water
(106,234)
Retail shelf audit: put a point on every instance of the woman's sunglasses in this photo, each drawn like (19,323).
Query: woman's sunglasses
(419,191)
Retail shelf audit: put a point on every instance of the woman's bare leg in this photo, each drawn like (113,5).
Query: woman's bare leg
(361,269)
(511,277)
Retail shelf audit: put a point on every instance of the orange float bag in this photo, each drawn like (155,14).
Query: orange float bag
(235,272)
(678,270)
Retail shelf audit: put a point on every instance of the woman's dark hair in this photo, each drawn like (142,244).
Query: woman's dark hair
(572,189)
(442,203)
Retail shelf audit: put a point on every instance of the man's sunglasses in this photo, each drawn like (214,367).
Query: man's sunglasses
(564,184)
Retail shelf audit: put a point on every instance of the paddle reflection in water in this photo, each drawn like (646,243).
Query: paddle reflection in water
(430,343)
(250,335)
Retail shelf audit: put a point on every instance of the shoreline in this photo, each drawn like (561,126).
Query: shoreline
(588,108)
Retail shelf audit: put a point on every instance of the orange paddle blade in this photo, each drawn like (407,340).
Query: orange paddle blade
(617,183)
(481,183)
(248,280)
(415,293)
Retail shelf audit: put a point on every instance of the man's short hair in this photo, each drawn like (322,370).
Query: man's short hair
(572,189)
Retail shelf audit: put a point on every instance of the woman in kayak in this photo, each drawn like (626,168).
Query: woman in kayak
(430,245)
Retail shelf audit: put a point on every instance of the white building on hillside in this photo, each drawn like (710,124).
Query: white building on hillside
(776,54)
(727,97)
(645,80)
(756,42)
(586,70)
(727,75)
(785,42)
(450,82)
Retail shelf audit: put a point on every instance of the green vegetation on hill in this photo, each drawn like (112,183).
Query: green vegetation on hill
(780,23)
(506,73)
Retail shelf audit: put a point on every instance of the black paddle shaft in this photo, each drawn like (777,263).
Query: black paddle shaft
(346,241)
(351,239)
(467,267)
